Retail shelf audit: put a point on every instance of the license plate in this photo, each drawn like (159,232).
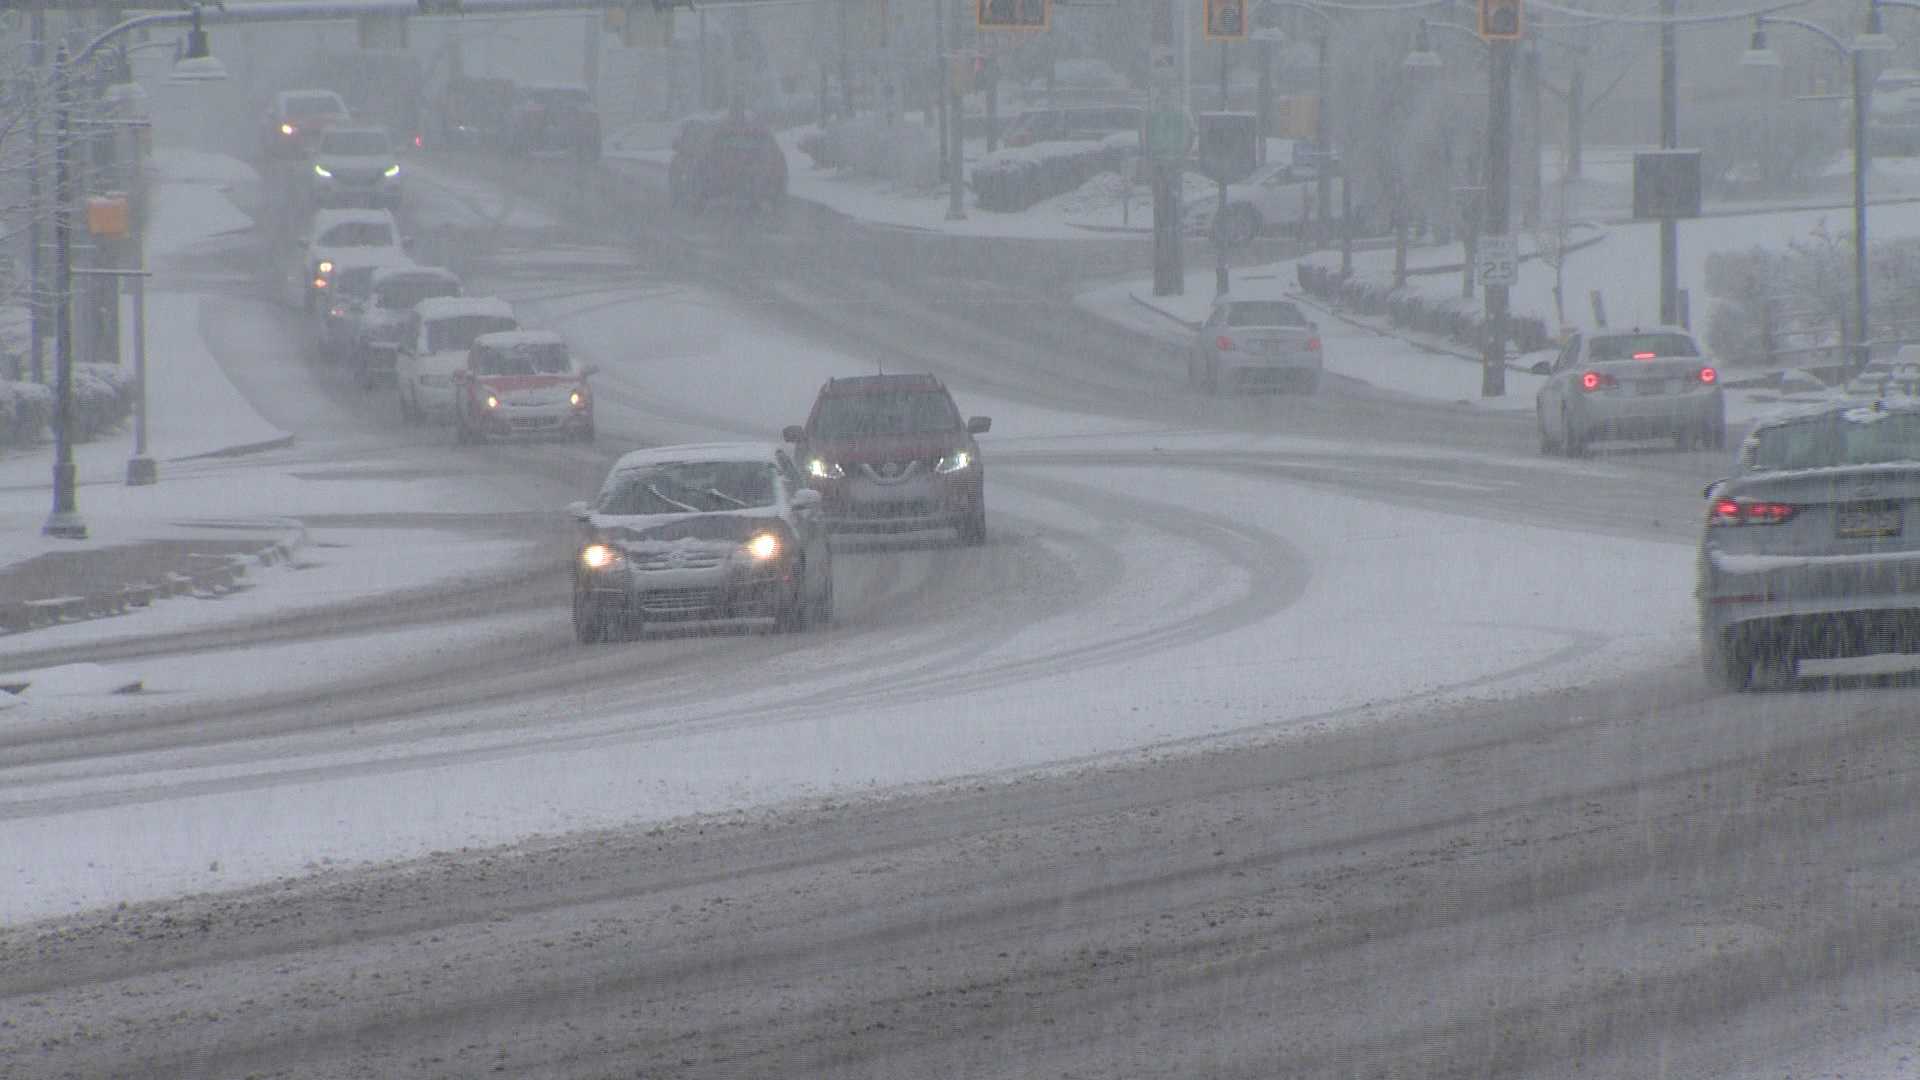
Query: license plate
(1869,521)
(1648,387)
(1278,348)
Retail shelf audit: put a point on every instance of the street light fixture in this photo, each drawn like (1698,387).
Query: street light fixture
(1422,58)
(1759,54)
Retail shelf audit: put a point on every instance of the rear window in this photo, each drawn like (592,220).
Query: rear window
(1641,346)
(1862,437)
(1264,313)
(314,105)
(450,335)
(906,413)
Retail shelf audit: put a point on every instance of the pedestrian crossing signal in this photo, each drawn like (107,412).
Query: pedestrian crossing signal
(1014,14)
(1226,20)
(1500,20)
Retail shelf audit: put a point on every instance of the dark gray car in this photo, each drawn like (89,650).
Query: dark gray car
(1806,553)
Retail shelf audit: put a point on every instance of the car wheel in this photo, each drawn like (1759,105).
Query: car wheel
(791,616)
(1548,444)
(822,614)
(1728,665)
(1575,439)
(591,620)
(1776,669)
(973,530)
(1209,375)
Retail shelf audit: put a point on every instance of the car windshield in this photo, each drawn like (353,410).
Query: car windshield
(355,143)
(1641,346)
(305,106)
(401,295)
(1862,437)
(352,282)
(690,487)
(844,416)
(522,358)
(451,335)
(1264,313)
(358,234)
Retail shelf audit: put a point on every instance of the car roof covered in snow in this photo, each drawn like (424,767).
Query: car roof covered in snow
(454,307)
(379,258)
(857,385)
(388,273)
(719,451)
(514,339)
(1854,411)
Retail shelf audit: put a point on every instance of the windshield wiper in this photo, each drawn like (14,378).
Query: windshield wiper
(655,492)
(718,494)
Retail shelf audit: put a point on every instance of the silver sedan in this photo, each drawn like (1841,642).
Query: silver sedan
(1255,344)
(1806,552)
(1631,384)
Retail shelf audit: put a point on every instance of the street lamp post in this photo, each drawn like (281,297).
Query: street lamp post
(1871,40)
(65,520)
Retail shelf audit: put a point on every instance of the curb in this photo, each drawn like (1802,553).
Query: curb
(279,442)
(1162,312)
(207,577)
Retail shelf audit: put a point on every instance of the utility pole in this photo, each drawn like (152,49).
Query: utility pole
(1530,68)
(1493,344)
(1669,140)
(956,165)
(1166,119)
(1862,162)
(36,202)
(1322,146)
(65,521)
(1220,285)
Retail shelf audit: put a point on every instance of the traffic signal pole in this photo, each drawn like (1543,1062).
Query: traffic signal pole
(1669,139)
(1493,343)
(1169,276)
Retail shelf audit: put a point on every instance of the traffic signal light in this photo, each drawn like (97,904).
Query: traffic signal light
(1226,20)
(1500,20)
(1014,14)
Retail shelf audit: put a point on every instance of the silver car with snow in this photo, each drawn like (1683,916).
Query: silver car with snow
(723,532)
(1806,552)
(356,166)
(434,346)
(1629,384)
(1250,343)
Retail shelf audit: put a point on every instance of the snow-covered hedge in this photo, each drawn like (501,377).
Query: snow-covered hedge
(103,397)
(1018,177)
(903,154)
(26,411)
(1456,319)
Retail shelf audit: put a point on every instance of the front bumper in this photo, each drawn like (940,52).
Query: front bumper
(859,506)
(533,421)
(731,592)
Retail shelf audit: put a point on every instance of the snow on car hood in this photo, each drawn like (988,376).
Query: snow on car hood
(877,448)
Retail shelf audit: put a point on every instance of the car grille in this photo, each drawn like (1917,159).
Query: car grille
(681,603)
(535,423)
(893,508)
(676,560)
(893,472)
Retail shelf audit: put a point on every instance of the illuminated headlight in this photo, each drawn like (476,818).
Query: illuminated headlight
(492,402)
(576,399)
(598,556)
(322,171)
(764,547)
(319,283)
(392,171)
(286,129)
(326,266)
(953,462)
(825,470)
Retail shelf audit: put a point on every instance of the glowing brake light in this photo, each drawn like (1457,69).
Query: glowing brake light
(417,143)
(1708,375)
(1313,344)
(1224,343)
(1643,356)
(1744,512)
(1594,380)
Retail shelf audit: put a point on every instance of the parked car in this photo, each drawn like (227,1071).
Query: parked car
(1084,122)
(346,287)
(1895,376)
(726,160)
(521,383)
(334,237)
(296,119)
(1629,384)
(434,345)
(1806,552)
(890,454)
(554,117)
(355,166)
(1251,343)
(384,314)
(1893,113)
(382,87)
(473,113)
(1277,196)
(719,532)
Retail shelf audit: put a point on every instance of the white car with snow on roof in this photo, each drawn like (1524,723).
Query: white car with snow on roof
(521,384)
(434,346)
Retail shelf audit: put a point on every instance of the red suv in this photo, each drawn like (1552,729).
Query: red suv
(890,454)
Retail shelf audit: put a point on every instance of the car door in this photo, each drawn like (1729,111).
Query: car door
(1553,394)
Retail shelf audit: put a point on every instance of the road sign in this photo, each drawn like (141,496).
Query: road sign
(1268,17)
(1226,20)
(1013,14)
(1500,20)
(1499,260)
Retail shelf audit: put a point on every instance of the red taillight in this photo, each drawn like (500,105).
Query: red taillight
(1313,344)
(1742,512)
(1643,356)
(1594,380)
(1708,375)
(1224,343)
(417,142)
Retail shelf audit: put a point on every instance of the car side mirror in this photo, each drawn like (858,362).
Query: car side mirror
(806,499)
(793,433)
(1541,367)
(1712,489)
(580,511)
(979,425)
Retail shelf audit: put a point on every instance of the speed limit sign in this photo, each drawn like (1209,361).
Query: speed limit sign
(1499,263)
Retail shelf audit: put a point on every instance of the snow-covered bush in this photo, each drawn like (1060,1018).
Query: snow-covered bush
(26,409)
(1018,177)
(900,153)
(1458,320)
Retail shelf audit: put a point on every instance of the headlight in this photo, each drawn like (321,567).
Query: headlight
(492,402)
(326,266)
(953,462)
(322,171)
(764,547)
(598,556)
(825,470)
(319,283)
(576,399)
(286,129)
(392,171)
